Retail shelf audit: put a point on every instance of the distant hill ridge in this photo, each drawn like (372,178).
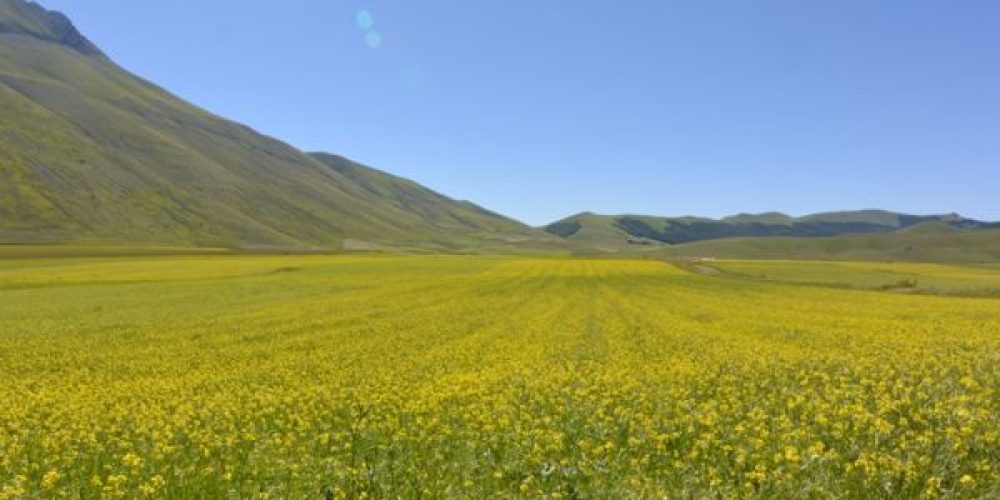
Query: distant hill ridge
(645,230)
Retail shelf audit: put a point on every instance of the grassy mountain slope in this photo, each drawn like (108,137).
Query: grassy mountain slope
(776,218)
(89,152)
(616,230)
(595,231)
(413,204)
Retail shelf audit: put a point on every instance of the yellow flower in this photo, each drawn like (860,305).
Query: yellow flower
(132,460)
(50,479)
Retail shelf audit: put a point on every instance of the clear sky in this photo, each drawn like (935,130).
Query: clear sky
(539,109)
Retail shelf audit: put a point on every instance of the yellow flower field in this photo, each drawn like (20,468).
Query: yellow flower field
(982,280)
(441,377)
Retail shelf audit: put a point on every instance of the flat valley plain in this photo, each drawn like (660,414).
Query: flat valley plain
(383,376)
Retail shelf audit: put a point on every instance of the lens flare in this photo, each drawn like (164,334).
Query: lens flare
(365,19)
(373,39)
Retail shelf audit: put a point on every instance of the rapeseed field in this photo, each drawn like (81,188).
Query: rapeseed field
(473,377)
(971,280)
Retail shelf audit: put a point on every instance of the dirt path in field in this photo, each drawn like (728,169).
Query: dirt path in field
(703,269)
(697,268)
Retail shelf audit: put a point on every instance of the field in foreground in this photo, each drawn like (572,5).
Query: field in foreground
(380,376)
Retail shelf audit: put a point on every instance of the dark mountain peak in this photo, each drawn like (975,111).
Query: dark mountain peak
(20,17)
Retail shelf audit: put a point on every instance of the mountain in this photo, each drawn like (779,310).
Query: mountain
(439,217)
(92,153)
(612,231)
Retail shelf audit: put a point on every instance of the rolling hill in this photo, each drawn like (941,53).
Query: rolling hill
(609,231)
(92,153)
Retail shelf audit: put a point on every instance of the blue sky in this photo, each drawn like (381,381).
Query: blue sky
(540,109)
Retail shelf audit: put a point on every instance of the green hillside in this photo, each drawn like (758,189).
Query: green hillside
(438,217)
(616,231)
(776,218)
(91,153)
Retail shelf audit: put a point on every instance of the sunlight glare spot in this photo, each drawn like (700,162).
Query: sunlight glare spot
(365,19)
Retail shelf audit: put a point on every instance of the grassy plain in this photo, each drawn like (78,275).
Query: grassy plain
(434,377)
(924,244)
